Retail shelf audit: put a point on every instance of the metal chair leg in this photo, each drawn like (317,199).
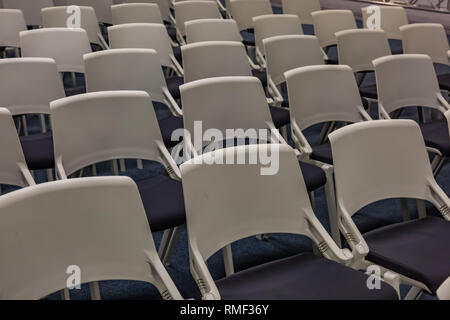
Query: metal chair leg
(228,260)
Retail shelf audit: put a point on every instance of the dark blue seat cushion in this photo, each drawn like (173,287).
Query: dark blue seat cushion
(38,150)
(168,125)
(280,116)
(313,175)
(436,135)
(173,85)
(163,202)
(261,75)
(301,277)
(322,153)
(284,94)
(332,60)
(418,249)
(177,54)
(369,92)
(444,81)
(172,31)
(248,37)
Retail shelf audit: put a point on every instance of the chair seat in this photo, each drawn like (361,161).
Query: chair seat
(313,175)
(369,92)
(248,37)
(177,54)
(280,116)
(163,202)
(322,153)
(436,135)
(168,125)
(418,249)
(38,150)
(173,85)
(172,32)
(332,61)
(444,81)
(261,75)
(301,277)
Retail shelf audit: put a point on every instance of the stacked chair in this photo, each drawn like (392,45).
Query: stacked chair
(150,117)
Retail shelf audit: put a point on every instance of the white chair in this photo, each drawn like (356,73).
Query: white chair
(136,135)
(149,11)
(212,30)
(136,13)
(316,97)
(31,9)
(135,69)
(328,22)
(285,53)
(66,46)
(409,80)
(12,22)
(302,9)
(267,26)
(237,102)
(391,19)
(115,243)
(224,58)
(164,7)
(387,159)
(32,84)
(243,12)
(430,39)
(193,10)
(357,48)
(56,17)
(102,8)
(13,167)
(263,204)
(148,36)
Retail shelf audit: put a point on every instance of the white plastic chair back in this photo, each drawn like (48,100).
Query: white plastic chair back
(315,95)
(391,19)
(302,9)
(214,59)
(212,30)
(378,160)
(102,8)
(56,17)
(225,103)
(194,10)
(32,83)
(236,201)
(66,46)
(96,224)
(275,25)
(426,38)
(12,23)
(142,35)
(13,167)
(125,69)
(288,52)
(359,47)
(136,13)
(31,9)
(109,125)
(243,11)
(328,22)
(164,6)
(407,80)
